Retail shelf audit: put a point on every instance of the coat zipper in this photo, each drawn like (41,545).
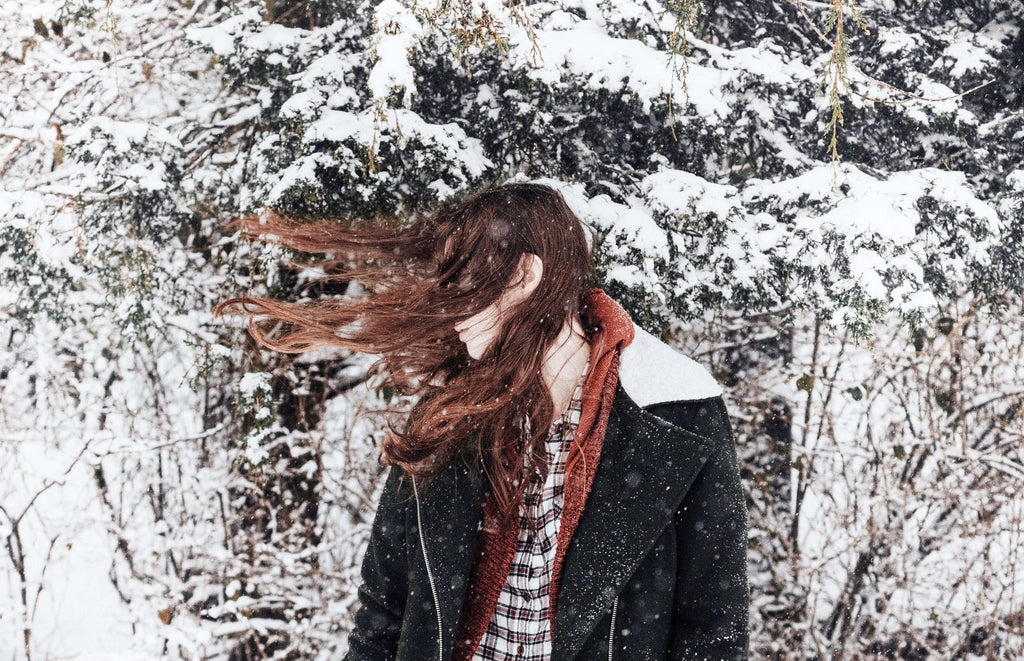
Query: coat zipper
(430,575)
(611,629)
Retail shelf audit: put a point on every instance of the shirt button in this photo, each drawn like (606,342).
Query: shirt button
(520,650)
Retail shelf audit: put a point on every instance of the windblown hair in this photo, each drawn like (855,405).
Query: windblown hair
(421,280)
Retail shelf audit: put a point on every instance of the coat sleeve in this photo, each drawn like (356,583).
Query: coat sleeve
(710,618)
(384,573)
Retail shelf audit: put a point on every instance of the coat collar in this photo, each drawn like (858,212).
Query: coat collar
(652,372)
(646,468)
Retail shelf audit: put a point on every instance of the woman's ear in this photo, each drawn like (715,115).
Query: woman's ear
(528,275)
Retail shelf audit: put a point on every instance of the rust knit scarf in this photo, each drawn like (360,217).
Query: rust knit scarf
(495,549)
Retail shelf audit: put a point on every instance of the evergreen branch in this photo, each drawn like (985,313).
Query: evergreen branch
(801,6)
(836,68)
(687,14)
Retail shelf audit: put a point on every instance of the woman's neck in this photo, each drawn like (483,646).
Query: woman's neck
(564,363)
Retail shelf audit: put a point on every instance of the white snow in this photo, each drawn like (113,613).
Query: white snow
(397,32)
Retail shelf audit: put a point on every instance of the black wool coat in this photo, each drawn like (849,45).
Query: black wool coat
(656,568)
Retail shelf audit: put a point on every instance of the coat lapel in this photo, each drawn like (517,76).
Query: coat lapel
(647,465)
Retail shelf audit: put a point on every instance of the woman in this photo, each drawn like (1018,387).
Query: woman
(566,486)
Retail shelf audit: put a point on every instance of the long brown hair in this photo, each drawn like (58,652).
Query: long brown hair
(422,279)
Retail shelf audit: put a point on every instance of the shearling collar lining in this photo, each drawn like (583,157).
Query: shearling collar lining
(651,372)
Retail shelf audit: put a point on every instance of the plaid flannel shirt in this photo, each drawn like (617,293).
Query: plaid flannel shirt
(520,628)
